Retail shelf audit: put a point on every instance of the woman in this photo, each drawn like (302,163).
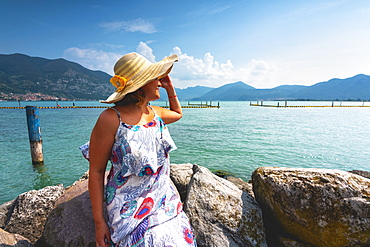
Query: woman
(143,206)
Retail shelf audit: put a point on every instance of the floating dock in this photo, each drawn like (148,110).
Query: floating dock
(285,105)
(198,105)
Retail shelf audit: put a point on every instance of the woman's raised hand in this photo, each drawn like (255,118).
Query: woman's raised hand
(166,82)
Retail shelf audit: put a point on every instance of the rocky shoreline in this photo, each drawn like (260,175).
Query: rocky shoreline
(279,207)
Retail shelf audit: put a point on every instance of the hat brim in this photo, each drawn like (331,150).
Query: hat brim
(155,70)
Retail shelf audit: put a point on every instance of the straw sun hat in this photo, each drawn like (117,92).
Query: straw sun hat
(132,71)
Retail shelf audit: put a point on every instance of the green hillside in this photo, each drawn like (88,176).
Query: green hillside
(21,74)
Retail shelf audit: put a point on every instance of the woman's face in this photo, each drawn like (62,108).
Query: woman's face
(151,90)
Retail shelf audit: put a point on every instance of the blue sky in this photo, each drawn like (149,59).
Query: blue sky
(262,43)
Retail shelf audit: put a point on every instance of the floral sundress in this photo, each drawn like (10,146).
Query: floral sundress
(138,193)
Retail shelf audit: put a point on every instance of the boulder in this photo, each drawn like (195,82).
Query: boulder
(316,207)
(31,210)
(70,223)
(221,214)
(6,210)
(10,239)
(181,175)
(242,185)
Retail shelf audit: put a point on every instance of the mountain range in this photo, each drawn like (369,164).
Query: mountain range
(22,74)
(354,88)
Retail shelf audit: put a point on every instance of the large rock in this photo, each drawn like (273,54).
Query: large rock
(242,185)
(6,210)
(221,214)
(181,175)
(70,223)
(31,211)
(10,239)
(318,207)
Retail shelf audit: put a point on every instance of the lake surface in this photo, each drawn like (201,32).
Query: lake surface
(236,137)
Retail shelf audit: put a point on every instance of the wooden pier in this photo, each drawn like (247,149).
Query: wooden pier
(198,105)
(285,105)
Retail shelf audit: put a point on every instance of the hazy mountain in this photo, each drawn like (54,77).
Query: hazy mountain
(357,87)
(187,93)
(230,92)
(240,91)
(288,88)
(193,92)
(354,88)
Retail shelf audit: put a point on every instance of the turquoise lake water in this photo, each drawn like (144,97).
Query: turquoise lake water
(237,138)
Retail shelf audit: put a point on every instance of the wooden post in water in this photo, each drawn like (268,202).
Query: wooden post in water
(34,133)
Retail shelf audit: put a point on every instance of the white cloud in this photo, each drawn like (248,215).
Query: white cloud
(188,72)
(216,9)
(96,59)
(92,59)
(258,73)
(313,8)
(137,25)
(109,46)
(146,51)
(208,9)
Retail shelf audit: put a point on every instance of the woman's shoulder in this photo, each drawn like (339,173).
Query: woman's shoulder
(157,110)
(109,116)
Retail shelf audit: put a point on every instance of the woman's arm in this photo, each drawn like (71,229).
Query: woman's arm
(101,142)
(175,111)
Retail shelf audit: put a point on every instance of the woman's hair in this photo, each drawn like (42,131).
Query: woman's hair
(136,98)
